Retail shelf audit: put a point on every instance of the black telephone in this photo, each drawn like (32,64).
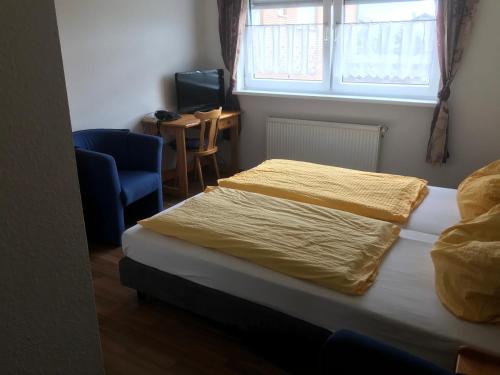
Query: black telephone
(163,115)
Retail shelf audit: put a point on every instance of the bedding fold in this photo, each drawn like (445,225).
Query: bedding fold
(376,195)
(334,249)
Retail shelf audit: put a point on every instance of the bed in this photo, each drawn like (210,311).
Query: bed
(401,308)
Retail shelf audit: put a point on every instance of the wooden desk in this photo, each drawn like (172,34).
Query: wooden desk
(475,362)
(229,120)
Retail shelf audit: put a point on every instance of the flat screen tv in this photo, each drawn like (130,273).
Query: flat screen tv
(200,90)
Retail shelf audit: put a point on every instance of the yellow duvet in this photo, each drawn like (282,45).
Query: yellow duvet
(467,262)
(376,195)
(331,248)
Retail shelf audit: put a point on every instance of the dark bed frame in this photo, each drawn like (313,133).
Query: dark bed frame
(291,343)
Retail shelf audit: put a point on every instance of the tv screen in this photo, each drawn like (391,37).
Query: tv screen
(200,90)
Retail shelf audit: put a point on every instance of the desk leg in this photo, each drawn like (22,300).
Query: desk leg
(180,138)
(235,147)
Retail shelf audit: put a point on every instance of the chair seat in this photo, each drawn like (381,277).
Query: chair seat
(192,144)
(137,184)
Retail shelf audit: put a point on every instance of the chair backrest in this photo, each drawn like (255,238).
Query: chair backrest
(107,141)
(209,127)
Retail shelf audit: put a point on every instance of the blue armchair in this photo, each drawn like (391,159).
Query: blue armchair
(120,180)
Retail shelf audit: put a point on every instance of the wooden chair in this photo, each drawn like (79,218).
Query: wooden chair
(209,128)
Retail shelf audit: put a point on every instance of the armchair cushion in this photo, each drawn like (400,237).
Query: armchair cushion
(137,184)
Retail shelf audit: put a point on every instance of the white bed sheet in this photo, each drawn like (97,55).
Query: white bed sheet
(401,308)
(437,212)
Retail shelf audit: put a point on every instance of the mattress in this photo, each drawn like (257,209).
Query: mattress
(401,308)
(437,212)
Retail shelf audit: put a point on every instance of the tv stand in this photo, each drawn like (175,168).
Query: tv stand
(229,120)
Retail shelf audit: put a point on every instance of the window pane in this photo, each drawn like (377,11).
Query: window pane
(287,43)
(408,10)
(389,42)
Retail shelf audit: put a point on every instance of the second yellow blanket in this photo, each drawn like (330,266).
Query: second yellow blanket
(331,248)
(376,195)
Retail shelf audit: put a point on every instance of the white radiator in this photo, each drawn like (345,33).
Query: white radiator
(343,145)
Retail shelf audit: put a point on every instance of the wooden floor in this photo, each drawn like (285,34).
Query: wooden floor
(155,338)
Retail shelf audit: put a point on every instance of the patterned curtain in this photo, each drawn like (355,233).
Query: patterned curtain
(454,23)
(232,21)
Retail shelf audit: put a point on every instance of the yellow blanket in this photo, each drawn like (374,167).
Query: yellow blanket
(376,195)
(331,248)
(467,262)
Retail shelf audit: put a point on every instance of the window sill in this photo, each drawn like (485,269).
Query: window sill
(340,98)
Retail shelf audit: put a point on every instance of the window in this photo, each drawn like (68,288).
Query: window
(384,48)
(285,46)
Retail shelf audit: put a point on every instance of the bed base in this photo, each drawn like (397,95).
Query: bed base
(291,343)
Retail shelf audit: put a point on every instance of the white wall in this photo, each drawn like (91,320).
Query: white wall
(48,322)
(475,110)
(120,57)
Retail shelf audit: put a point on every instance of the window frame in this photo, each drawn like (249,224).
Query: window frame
(323,86)
(332,81)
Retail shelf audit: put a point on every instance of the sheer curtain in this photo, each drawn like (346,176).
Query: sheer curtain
(285,39)
(287,51)
(388,52)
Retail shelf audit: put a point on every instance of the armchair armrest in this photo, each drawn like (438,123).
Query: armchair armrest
(100,191)
(97,173)
(144,152)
